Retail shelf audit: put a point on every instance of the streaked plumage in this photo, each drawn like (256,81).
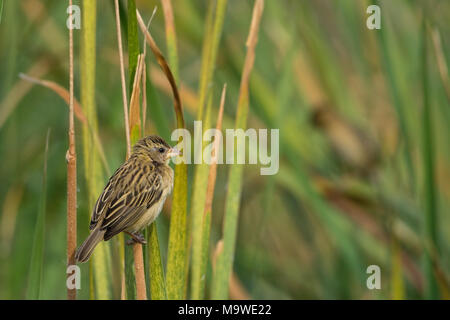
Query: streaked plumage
(133,196)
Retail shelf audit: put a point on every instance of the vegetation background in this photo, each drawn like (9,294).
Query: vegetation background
(364,144)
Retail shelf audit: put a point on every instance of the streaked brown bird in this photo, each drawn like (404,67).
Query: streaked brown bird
(133,196)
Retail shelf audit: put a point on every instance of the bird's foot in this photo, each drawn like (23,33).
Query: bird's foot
(136,238)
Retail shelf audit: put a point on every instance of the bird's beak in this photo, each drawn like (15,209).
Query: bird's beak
(173,152)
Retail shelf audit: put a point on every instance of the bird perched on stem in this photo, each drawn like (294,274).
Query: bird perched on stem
(133,196)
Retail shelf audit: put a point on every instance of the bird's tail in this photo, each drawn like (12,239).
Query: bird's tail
(85,250)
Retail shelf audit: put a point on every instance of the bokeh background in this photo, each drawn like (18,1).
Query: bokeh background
(364,142)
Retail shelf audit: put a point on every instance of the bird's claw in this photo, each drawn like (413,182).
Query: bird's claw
(136,238)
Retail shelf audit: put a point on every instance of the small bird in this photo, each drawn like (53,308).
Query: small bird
(134,195)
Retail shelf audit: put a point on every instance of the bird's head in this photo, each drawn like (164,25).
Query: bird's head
(155,148)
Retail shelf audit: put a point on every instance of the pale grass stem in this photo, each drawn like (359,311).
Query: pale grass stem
(122,78)
(71,158)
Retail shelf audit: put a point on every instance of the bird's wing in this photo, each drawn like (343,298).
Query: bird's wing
(130,192)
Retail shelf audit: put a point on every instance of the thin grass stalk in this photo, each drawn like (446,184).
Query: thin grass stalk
(78,112)
(152,256)
(213,31)
(141,288)
(197,209)
(431,236)
(20,89)
(206,52)
(71,158)
(144,82)
(127,134)
(100,262)
(171,42)
(176,261)
(135,127)
(133,43)
(224,264)
(122,78)
(144,116)
(206,219)
(144,95)
(134,71)
(37,252)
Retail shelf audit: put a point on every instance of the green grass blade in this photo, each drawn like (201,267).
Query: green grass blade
(431,236)
(1,10)
(196,217)
(207,212)
(130,282)
(133,43)
(224,263)
(37,252)
(176,260)
(101,259)
(213,32)
(156,272)
(133,53)
(171,38)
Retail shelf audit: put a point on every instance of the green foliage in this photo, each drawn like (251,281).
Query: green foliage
(93,173)
(212,34)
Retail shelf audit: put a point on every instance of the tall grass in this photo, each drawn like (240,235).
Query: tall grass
(212,35)
(224,265)
(71,158)
(100,262)
(311,230)
(133,255)
(176,260)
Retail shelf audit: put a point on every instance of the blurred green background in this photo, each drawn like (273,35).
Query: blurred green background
(364,142)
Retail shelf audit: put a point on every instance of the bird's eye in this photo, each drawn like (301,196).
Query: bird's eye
(161,150)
